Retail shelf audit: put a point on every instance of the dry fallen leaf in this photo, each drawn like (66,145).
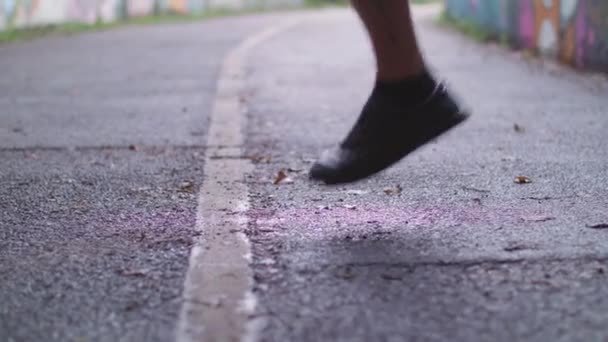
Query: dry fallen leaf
(282,178)
(393,191)
(522,180)
(186,186)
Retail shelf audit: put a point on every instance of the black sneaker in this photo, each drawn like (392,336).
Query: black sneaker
(385,133)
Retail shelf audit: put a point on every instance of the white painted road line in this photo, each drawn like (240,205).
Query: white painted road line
(217,291)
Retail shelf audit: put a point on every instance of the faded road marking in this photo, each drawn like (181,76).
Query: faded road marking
(217,290)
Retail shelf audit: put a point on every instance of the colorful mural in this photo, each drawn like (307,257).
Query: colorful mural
(16,14)
(575,31)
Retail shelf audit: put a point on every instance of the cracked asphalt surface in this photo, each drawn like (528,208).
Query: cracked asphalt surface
(102,144)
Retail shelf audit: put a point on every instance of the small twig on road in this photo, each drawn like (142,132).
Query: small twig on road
(546,198)
(468,188)
(598,226)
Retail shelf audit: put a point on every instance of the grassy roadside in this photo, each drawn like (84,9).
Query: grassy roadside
(71,28)
(478,33)
(468,28)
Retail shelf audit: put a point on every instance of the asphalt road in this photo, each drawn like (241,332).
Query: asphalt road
(102,150)
(463,253)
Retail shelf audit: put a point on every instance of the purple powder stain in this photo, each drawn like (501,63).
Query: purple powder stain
(398,218)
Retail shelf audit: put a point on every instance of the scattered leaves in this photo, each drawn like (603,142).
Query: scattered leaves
(522,180)
(518,128)
(282,178)
(598,226)
(393,191)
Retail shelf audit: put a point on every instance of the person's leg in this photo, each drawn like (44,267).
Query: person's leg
(391,30)
(406,109)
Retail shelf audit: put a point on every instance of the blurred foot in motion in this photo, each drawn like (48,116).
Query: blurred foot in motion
(406,109)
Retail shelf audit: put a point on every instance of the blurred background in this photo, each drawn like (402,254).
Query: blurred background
(574,31)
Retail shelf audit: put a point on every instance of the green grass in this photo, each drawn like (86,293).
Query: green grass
(478,33)
(49,30)
(71,28)
(469,28)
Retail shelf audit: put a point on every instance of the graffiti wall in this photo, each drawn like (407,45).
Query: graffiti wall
(16,14)
(575,31)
